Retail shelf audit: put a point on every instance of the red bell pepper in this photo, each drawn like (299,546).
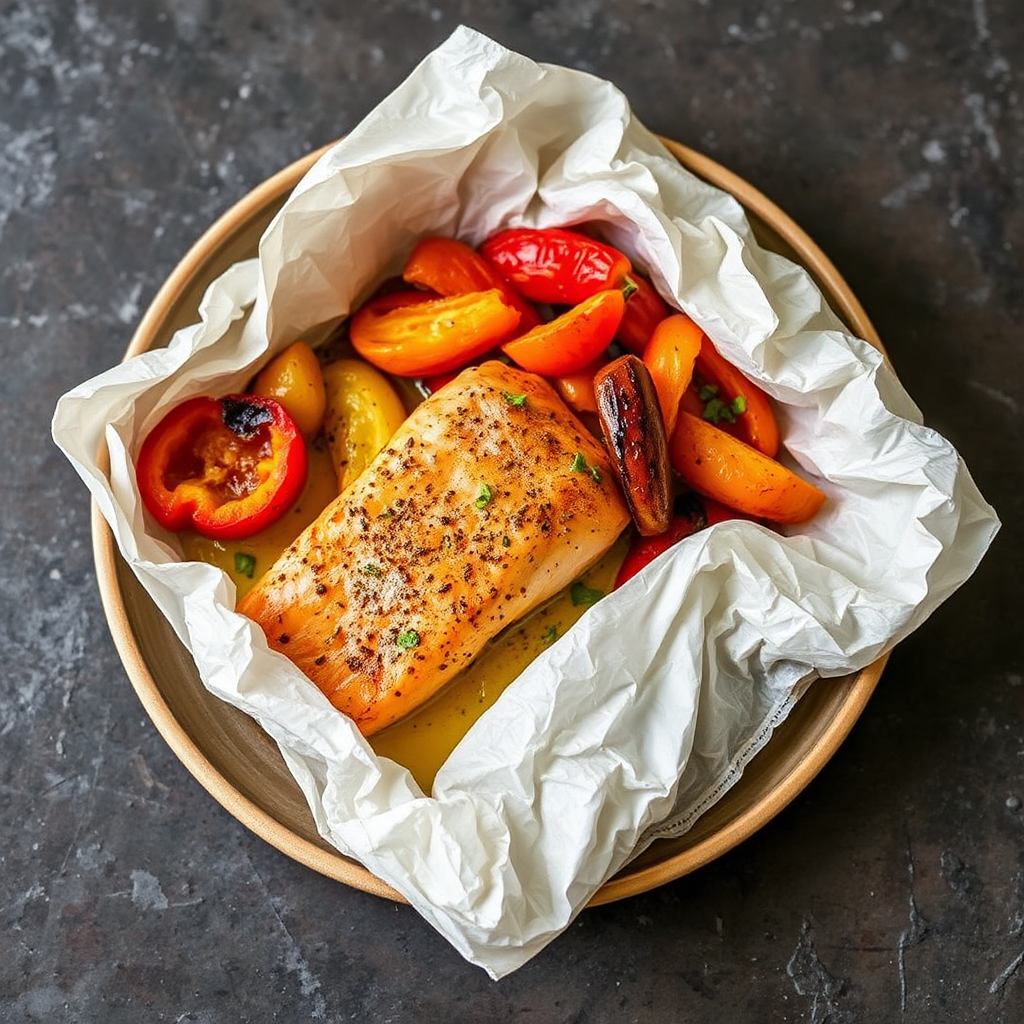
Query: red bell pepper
(437,381)
(553,265)
(450,267)
(227,467)
(572,340)
(689,517)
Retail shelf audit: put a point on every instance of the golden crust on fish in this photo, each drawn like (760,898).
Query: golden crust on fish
(490,499)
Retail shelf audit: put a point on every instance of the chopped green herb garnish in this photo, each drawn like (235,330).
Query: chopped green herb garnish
(583,595)
(550,634)
(373,570)
(387,514)
(579,465)
(506,542)
(715,411)
(718,411)
(483,499)
(408,640)
(245,564)
(516,400)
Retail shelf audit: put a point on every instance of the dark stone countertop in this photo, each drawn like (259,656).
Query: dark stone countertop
(891,889)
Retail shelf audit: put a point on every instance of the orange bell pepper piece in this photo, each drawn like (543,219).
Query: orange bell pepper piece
(577,389)
(645,309)
(450,267)
(571,341)
(733,402)
(431,336)
(670,356)
(722,467)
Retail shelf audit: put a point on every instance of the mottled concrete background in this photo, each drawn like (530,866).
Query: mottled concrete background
(893,889)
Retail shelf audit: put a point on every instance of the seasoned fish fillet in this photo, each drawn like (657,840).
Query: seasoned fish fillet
(490,499)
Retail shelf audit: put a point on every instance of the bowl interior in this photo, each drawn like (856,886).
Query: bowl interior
(235,760)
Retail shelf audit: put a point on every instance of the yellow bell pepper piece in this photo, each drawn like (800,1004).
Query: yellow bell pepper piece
(363,412)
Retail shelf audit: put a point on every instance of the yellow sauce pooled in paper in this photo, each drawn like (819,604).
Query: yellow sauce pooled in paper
(423,740)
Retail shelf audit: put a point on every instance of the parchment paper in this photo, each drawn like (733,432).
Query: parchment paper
(630,723)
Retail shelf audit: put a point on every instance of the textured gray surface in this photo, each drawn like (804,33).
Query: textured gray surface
(893,888)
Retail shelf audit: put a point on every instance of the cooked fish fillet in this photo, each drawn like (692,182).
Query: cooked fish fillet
(490,499)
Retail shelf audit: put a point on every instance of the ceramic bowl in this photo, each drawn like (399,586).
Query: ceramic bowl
(237,763)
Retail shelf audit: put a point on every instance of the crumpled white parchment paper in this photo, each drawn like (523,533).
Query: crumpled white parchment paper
(601,743)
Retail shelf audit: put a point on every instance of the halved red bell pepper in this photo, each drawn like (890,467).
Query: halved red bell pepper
(450,267)
(432,336)
(557,266)
(226,467)
(572,340)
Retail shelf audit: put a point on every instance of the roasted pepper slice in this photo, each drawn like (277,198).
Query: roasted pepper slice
(450,267)
(227,467)
(555,265)
(688,516)
(431,336)
(294,379)
(577,388)
(670,356)
(722,395)
(722,467)
(572,340)
(363,412)
(436,381)
(644,311)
